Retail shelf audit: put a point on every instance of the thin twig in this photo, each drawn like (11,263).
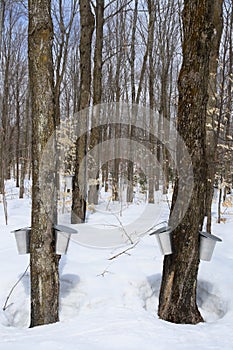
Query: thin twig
(105,271)
(122,227)
(124,251)
(12,289)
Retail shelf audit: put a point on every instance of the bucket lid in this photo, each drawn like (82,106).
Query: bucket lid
(210,236)
(65,229)
(161,230)
(21,229)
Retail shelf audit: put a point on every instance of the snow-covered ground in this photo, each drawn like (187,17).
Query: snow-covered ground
(112,304)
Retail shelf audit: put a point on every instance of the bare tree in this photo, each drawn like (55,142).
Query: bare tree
(220,116)
(43,260)
(211,134)
(6,128)
(87,28)
(25,145)
(62,39)
(151,10)
(177,300)
(95,133)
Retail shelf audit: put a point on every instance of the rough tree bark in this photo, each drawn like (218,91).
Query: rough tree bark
(177,300)
(98,61)
(79,183)
(2,10)
(43,260)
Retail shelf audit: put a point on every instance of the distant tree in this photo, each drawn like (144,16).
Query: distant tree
(151,10)
(6,126)
(226,139)
(220,121)
(95,133)
(79,181)
(14,78)
(25,145)
(62,36)
(177,300)
(167,47)
(43,260)
(211,130)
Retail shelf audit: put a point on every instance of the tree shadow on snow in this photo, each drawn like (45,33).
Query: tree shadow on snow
(209,300)
(212,305)
(68,282)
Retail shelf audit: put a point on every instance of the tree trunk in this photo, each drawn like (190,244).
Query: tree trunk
(131,129)
(120,27)
(211,137)
(79,181)
(17,132)
(132,51)
(5,125)
(25,146)
(43,260)
(228,116)
(158,155)
(97,94)
(220,200)
(97,74)
(177,300)
(2,15)
(151,180)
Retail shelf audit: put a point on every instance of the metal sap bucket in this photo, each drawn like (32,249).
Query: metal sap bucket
(63,234)
(22,237)
(207,245)
(163,236)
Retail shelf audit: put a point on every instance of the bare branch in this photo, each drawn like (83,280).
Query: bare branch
(124,251)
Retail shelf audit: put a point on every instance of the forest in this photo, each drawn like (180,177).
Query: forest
(103,102)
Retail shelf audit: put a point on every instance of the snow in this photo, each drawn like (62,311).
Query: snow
(112,304)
